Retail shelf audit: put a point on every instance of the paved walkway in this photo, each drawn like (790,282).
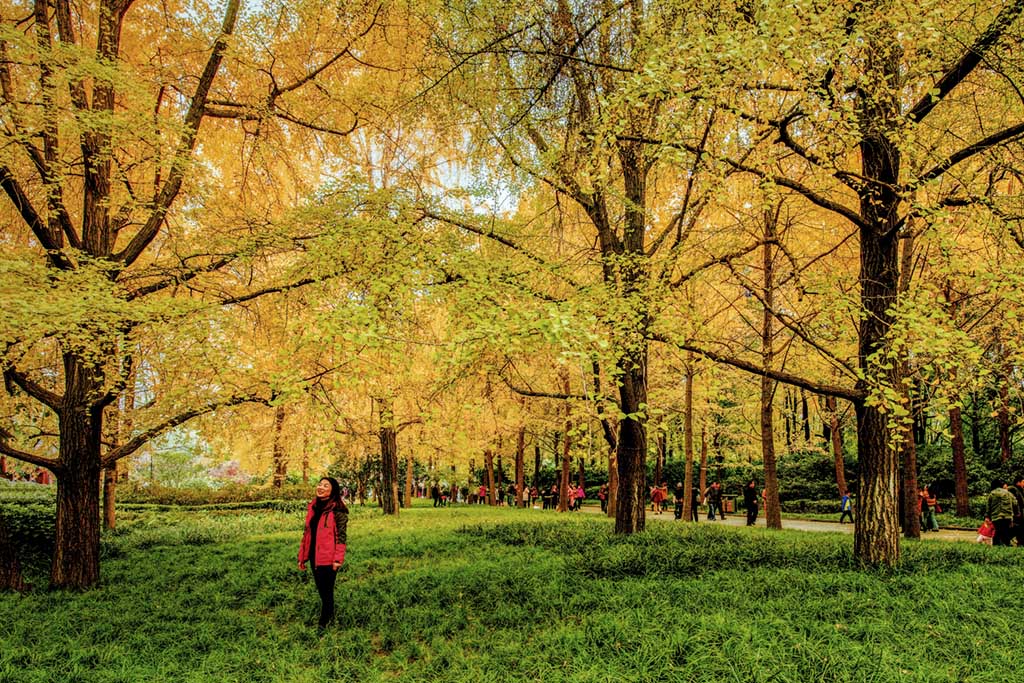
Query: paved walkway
(740,519)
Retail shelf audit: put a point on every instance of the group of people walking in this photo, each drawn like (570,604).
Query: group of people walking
(1004,513)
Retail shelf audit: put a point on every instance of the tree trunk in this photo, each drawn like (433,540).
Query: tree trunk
(773,512)
(909,487)
(876,538)
(613,482)
(280,461)
(10,569)
(703,460)
(659,463)
(837,445)
(389,458)
(805,416)
(581,477)
(688,441)
(305,459)
(520,465)
(489,464)
(1003,417)
(76,562)
(536,464)
(632,452)
(408,482)
(112,427)
(963,503)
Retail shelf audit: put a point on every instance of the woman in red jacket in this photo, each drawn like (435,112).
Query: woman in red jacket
(323,542)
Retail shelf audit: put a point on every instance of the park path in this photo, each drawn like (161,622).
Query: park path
(740,519)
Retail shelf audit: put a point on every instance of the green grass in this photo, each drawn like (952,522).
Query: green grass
(475,594)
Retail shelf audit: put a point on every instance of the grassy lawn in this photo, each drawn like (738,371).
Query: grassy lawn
(475,594)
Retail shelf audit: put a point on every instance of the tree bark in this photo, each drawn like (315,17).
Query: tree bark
(389,458)
(408,482)
(703,460)
(837,445)
(963,502)
(279,457)
(10,569)
(773,511)
(688,441)
(489,465)
(876,537)
(520,465)
(1003,418)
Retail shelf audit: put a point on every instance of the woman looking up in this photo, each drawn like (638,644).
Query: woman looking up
(323,542)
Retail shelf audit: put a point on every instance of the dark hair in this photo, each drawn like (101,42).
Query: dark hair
(997,483)
(335,496)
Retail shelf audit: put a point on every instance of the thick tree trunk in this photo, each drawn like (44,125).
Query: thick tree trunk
(837,445)
(876,537)
(76,561)
(389,458)
(963,503)
(632,451)
(10,568)
(280,461)
(688,442)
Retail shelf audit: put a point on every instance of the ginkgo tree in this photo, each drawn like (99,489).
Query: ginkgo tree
(139,210)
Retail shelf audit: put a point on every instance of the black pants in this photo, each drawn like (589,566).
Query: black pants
(751,515)
(1003,534)
(845,514)
(324,578)
(694,512)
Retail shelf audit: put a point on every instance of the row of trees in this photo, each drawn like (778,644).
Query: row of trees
(413,212)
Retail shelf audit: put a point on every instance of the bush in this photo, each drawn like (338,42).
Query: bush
(230,493)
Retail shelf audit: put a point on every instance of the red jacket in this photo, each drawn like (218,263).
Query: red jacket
(330,547)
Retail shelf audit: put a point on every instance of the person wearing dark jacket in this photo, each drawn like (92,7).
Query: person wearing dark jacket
(1017,490)
(750,501)
(1000,509)
(323,542)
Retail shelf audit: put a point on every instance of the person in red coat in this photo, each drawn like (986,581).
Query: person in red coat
(323,542)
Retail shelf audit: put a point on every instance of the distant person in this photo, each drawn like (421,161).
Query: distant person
(435,494)
(713,496)
(657,496)
(1017,528)
(928,505)
(694,504)
(323,543)
(679,497)
(845,507)
(985,532)
(750,501)
(999,509)
(580,495)
(602,496)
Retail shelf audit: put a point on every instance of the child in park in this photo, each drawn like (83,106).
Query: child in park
(985,532)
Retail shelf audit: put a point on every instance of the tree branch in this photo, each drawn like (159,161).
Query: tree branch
(1005,135)
(48,398)
(186,144)
(142,439)
(853,395)
(967,62)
